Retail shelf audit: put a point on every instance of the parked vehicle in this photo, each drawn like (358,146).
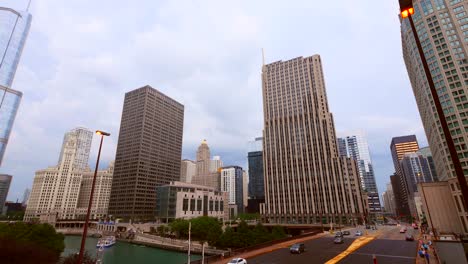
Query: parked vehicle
(358,233)
(367,226)
(409,237)
(297,248)
(338,234)
(403,230)
(346,233)
(338,240)
(238,261)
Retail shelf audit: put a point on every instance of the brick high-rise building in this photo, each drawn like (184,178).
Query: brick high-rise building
(148,152)
(305,179)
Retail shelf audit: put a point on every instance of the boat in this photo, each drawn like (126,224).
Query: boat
(106,242)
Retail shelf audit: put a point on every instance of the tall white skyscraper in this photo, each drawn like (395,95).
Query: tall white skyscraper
(188,169)
(355,146)
(14,29)
(56,189)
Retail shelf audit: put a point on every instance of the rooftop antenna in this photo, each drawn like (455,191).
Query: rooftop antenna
(29,4)
(263,54)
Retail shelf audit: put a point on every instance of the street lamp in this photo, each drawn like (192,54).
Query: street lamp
(407,10)
(85,229)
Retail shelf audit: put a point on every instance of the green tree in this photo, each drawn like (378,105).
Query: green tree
(278,232)
(180,228)
(206,229)
(41,241)
(73,259)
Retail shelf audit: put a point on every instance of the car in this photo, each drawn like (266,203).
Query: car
(238,261)
(338,240)
(373,228)
(367,226)
(297,248)
(358,233)
(403,230)
(338,234)
(409,237)
(346,233)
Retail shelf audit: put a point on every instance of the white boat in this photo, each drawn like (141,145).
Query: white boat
(106,242)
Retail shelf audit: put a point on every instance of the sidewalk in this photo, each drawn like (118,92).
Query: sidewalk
(271,248)
(432,258)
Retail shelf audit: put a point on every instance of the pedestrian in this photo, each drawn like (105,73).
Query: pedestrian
(421,253)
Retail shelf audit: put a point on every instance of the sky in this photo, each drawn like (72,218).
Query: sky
(82,56)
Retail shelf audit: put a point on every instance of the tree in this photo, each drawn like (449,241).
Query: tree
(180,228)
(41,242)
(278,232)
(206,229)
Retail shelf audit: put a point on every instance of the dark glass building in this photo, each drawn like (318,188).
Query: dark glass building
(256,181)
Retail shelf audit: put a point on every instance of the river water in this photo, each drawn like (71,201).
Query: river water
(123,253)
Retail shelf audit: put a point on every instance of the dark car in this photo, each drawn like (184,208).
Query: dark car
(339,234)
(346,233)
(409,237)
(297,248)
(338,240)
(367,227)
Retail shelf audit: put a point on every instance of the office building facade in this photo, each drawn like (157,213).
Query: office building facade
(389,200)
(207,173)
(14,31)
(180,200)
(256,185)
(355,146)
(305,179)
(148,154)
(5,182)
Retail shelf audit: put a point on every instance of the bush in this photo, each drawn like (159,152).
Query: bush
(73,259)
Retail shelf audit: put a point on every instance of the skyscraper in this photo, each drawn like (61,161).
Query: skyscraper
(5,181)
(148,152)
(389,200)
(256,182)
(232,182)
(207,170)
(399,147)
(355,146)
(188,169)
(56,189)
(305,179)
(442,29)
(26,194)
(14,29)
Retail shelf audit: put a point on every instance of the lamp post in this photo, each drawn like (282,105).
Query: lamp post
(85,229)
(407,10)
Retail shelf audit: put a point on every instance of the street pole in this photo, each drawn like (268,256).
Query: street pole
(188,254)
(85,229)
(443,122)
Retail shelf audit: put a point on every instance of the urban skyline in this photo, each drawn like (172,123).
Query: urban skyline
(230,148)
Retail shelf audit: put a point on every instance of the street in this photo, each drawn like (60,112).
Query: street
(389,247)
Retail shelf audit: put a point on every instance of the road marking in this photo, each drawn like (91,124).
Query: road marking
(361,241)
(380,255)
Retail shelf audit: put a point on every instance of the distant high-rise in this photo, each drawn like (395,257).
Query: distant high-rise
(188,169)
(148,152)
(56,189)
(256,186)
(305,179)
(26,194)
(355,146)
(14,29)
(399,147)
(389,200)
(5,181)
(207,173)
(232,182)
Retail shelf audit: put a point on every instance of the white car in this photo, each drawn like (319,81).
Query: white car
(238,261)
(358,233)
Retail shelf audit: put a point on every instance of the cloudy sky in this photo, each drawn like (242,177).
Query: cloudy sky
(83,55)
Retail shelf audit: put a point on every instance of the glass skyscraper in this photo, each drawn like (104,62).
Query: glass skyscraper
(14,29)
(355,146)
